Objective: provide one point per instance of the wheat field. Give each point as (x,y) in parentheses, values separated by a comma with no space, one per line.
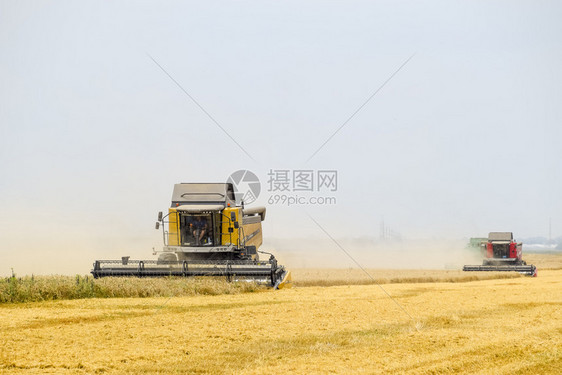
(500,326)
(48,288)
(356,276)
(545,261)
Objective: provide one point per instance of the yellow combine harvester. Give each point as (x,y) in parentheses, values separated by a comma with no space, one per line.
(205,234)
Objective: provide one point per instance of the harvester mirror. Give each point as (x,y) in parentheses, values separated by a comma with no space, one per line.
(159,216)
(232,216)
(236,225)
(157,226)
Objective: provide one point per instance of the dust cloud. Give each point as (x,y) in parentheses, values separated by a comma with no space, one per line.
(74,253)
(53,249)
(63,247)
(371,253)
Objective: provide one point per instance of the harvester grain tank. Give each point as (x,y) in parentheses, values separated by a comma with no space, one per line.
(206,234)
(503,253)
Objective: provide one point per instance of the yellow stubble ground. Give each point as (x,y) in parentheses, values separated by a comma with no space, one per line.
(505,326)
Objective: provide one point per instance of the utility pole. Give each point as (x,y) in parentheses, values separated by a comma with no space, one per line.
(550,230)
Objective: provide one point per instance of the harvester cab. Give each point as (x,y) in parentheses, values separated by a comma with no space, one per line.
(502,249)
(204,223)
(206,234)
(503,253)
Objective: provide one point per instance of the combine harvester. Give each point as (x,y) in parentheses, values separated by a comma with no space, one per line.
(207,235)
(503,254)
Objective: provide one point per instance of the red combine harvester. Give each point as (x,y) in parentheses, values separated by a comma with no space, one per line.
(503,254)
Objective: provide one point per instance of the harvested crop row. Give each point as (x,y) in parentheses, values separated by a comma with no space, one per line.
(354,276)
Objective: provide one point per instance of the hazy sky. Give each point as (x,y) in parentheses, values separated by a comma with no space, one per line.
(464,139)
